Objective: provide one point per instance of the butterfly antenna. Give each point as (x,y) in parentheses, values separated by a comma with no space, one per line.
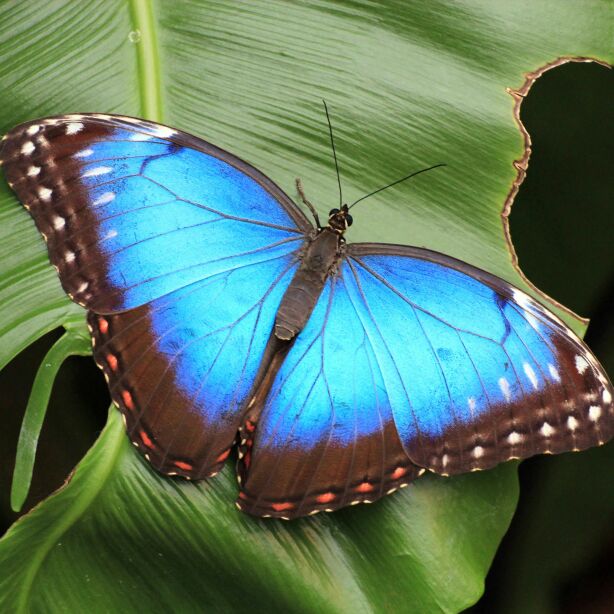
(332,142)
(430,168)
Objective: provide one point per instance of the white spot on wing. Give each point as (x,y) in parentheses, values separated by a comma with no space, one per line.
(607,397)
(27,148)
(164,132)
(530,374)
(572,423)
(528,306)
(58,222)
(505,388)
(594,413)
(546,430)
(44,193)
(478,452)
(581,364)
(513,438)
(554,373)
(471,403)
(103,199)
(98,170)
(110,235)
(140,136)
(82,286)
(69,256)
(33,129)
(84,153)
(33,171)
(74,127)
(524,300)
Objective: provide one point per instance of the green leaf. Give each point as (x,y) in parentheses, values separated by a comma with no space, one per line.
(409,85)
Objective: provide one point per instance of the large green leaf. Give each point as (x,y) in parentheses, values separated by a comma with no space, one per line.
(409,85)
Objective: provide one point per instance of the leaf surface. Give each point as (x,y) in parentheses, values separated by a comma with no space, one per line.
(409,85)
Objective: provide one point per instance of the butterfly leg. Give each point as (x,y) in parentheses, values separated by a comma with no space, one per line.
(301,192)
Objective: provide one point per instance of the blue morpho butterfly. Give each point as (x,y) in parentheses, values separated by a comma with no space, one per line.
(217,310)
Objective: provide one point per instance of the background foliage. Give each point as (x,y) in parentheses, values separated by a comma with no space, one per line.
(409,85)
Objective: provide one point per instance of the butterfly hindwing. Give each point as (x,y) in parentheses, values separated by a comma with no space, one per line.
(180,252)
(181,367)
(326,437)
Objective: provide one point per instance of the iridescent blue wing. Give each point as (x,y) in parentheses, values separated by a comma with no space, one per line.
(180,251)
(447,367)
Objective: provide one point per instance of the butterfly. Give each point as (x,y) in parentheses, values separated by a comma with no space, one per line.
(219,313)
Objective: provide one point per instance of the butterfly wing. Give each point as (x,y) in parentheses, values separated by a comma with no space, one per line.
(490,374)
(180,251)
(132,210)
(414,359)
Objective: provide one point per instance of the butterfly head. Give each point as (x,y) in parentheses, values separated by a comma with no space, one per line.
(340,220)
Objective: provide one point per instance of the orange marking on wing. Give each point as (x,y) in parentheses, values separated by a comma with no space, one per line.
(112,362)
(364,487)
(242,495)
(399,472)
(184,466)
(127,398)
(280,507)
(250,426)
(326,497)
(146,440)
(223,456)
(103,326)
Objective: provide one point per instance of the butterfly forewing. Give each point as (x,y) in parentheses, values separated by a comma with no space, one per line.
(132,210)
(180,251)
(487,373)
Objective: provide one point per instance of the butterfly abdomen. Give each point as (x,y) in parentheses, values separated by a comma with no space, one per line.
(319,259)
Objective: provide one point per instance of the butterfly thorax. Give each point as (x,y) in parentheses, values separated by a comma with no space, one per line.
(319,260)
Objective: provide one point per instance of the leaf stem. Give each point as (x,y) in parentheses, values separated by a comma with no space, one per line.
(85,485)
(70,344)
(148,58)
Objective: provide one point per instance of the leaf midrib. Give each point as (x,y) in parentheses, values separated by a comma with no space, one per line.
(148,59)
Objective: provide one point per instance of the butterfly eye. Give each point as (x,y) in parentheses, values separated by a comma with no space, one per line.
(348,219)
(333,212)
